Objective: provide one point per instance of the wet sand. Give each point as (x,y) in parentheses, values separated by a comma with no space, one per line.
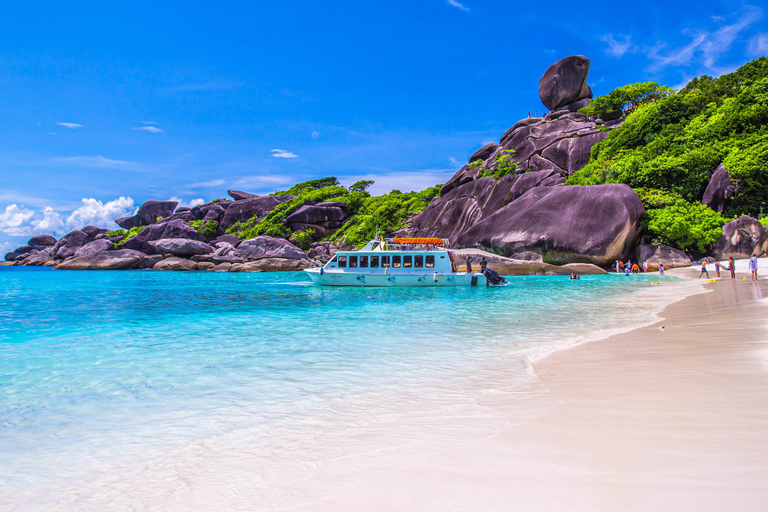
(670,417)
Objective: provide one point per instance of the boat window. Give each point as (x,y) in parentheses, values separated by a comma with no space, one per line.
(374,262)
(407,261)
(342,261)
(363,261)
(385,261)
(353,262)
(418,261)
(395,261)
(431,261)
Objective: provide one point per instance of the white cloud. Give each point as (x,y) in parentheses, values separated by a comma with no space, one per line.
(6,247)
(315,135)
(206,184)
(71,126)
(758,45)
(709,46)
(405,181)
(100,214)
(50,223)
(150,129)
(15,221)
(281,153)
(191,204)
(617,47)
(94,161)
(454,3)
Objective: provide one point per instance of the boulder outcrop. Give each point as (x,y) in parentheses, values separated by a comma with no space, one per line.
(123,259)
(591,224)
(565,82)
(263,247)
(327,215)
(181,247)
(238,195)
(270,265)
(93,231)
(94,247)
(70,243)
(741,238)
(167,229)
(42,240)
(147,214)
(661,254)
(719,191)
(174,263)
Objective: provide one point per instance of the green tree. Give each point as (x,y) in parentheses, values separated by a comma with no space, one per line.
(686,225)
(360,186)
(614,104)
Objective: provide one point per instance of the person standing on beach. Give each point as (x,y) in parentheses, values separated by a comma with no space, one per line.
(635,269)
(618,266)
(753,267)
(661,269)
(469,264)
(717,268)
(732,267)
(645,266)
(704,269)
(483,264)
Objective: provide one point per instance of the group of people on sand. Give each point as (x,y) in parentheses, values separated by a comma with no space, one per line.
(633,268)
(731,267)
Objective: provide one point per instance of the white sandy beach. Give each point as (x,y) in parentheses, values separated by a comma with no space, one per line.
(669,417)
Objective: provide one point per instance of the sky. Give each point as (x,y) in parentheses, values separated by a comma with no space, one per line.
(105,105)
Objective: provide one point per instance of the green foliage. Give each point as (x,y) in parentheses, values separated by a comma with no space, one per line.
(475,164)
(360,186)
(128,235)
(383,215)
(272,223)
(504,165)
(613,105)
(654,198)
(303,239)
(220,200)
(675,142)
(308,186)
(764,221)
(685,225)
(207,229)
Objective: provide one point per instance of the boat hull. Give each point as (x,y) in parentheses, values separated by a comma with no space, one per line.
(393,279)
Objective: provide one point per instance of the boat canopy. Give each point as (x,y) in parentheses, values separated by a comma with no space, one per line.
(418,241)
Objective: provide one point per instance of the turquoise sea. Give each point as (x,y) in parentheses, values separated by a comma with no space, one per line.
(222,391)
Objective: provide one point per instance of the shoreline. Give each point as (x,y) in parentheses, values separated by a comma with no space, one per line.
(672,418)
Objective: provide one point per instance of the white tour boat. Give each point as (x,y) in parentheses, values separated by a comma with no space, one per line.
(395,262)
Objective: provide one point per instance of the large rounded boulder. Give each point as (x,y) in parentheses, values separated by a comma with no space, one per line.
(148,213)
(181,247)
(42,240)
(568,224)
(741,238)
(565,82)
(69,244)
(267,247)
(657,255)
(123,259)
(720,190)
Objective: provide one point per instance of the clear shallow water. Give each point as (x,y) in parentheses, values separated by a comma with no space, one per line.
(170,390)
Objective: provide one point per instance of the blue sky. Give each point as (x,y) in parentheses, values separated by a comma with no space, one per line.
(104,105)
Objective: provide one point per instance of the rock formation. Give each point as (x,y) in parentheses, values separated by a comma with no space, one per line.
(565,82)
(148,213)
(719,191)
(741,238)
(661,254)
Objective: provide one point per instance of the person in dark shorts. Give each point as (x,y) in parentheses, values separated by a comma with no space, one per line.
(469,264)
(483,264)
(704,269)
(732,268)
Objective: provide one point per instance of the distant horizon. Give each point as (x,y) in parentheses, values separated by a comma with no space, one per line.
(108,106)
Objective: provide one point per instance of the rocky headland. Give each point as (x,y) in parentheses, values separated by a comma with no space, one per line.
(509,203)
